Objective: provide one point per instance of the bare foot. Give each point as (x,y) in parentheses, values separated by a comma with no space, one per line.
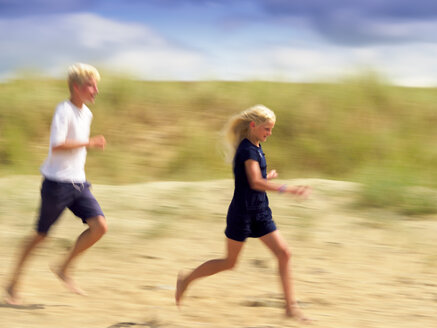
(295,312)
(180,288)
(68,282)
(11,296)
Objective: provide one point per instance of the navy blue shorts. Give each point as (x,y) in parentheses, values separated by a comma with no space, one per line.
(255,225)
(56,196)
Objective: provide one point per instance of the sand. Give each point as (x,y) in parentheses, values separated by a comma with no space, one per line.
(352,267)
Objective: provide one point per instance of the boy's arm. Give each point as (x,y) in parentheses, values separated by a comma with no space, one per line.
(94,142)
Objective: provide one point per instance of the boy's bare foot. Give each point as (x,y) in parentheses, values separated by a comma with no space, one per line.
(295,312)
(180,288)
(11,296)
(68,281)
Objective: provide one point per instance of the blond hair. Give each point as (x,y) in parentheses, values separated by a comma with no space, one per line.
(238,126)
(80,73)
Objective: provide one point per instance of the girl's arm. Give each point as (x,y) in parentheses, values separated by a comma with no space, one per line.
(257,182)
(94,142)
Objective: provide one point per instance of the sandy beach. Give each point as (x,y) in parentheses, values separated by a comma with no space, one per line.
(352,267)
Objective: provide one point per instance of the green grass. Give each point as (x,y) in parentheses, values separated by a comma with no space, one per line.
(171,130)
(395,188)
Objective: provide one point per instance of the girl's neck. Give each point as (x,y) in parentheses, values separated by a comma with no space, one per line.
(253,140)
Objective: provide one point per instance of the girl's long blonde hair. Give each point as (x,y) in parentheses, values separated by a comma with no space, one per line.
(238,126)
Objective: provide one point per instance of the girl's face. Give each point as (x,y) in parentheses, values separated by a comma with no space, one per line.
(262,131)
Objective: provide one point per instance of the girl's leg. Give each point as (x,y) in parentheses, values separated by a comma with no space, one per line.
(209,268)
(277,244)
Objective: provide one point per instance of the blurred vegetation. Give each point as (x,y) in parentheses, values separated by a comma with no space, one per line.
(359,129)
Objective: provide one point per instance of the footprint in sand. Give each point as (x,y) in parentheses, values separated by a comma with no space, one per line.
(151,324)
(24,306)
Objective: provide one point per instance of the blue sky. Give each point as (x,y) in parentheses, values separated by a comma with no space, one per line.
(285,40)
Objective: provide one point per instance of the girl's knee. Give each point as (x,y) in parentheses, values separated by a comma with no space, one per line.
(231,264)
(41,236)
(284,254)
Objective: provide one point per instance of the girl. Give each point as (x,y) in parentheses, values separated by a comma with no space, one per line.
(249,214)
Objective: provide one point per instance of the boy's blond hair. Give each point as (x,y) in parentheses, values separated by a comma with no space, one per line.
(238,126)
(79,73)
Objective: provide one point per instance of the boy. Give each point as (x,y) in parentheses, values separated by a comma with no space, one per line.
(64,183)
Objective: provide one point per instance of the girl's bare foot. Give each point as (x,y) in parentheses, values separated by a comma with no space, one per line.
(295,312)
(180,288)
(11,296)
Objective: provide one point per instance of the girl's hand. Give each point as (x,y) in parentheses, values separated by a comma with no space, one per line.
(272,174)
(301,191)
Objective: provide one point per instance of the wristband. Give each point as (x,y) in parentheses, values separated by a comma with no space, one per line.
(282,188)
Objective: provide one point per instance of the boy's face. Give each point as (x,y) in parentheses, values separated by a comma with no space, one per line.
(87,91)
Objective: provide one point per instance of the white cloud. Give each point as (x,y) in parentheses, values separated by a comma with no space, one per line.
(51,43)
(158,64)
(96,32)
(302,64)
(400,30)
(403,64)
(408,64)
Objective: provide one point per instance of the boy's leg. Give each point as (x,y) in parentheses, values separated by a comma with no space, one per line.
(50,210)
(209,268)
(97,228)
(277,244)
(31,243)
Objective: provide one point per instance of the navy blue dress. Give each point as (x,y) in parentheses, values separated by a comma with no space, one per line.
(249,214)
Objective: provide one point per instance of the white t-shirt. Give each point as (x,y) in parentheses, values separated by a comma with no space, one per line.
(69,123)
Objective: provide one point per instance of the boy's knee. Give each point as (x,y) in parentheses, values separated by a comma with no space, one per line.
(98,225)
(103,227)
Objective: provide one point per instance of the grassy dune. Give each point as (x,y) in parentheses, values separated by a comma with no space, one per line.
(358,130)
